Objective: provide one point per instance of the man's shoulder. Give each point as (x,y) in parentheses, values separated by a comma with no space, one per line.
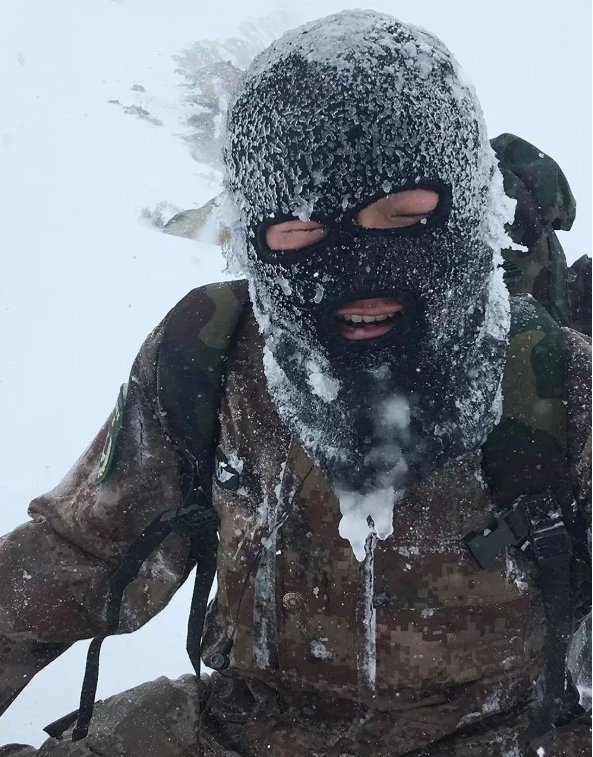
(195,340)
(205,319)
(197,333)
(216,301)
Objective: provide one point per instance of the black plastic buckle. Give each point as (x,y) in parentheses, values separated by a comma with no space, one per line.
(57,729)
(548,536)
(225,475)
(550,541)
(509,528)
(192,519)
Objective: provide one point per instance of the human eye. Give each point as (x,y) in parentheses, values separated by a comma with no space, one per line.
(398,210)
(294,235)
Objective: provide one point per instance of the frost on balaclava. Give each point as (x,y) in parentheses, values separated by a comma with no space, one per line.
(332,116)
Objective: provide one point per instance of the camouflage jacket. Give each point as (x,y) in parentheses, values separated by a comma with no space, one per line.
(452,644)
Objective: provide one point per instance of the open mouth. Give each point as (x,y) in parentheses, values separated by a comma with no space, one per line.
(368,319)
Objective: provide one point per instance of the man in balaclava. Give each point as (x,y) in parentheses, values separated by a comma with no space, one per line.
(338,131)
(367,214)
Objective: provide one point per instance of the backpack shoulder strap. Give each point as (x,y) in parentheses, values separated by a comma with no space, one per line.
(525,458)
(526,465)
(198,336)
(191,371)
(526,452)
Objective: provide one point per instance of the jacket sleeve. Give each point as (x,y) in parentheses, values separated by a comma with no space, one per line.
(55,569)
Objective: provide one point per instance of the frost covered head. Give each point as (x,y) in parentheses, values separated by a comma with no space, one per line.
(385,338)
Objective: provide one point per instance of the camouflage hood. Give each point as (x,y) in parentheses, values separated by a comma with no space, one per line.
(335,115)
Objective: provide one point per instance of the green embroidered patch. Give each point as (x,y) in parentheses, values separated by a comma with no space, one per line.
(115,426)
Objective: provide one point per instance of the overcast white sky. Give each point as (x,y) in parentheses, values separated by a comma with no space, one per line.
(83,281)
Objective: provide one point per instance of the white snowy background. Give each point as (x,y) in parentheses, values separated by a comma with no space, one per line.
(84,278)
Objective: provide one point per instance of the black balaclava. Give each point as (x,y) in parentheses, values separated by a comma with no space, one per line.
(331,117)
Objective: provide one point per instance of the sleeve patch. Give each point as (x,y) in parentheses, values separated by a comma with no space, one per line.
(107,457)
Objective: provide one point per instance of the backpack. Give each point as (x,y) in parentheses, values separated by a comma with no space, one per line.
(199,334)
(545,204)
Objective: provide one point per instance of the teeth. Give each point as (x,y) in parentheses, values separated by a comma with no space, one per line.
(366,318)
(373,318)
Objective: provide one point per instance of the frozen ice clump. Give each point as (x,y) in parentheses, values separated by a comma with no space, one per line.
(285,285)
(321,383)
(319,650)
(395,414)
(319,292)
(364,514)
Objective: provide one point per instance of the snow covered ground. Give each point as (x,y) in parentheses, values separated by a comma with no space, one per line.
(94,139)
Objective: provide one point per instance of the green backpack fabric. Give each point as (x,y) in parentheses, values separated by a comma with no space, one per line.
(545,204)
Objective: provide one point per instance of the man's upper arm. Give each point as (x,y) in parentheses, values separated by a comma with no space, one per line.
(56,568)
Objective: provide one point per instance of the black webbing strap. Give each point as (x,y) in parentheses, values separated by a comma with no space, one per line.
(128,570)
(201,525)
(195,519)
(538,520)
(552,549)
(205,572)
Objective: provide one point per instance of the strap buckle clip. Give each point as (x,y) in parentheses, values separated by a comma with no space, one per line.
(507,529)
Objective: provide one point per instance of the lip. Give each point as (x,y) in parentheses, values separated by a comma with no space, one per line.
(375,306)
(366,332)
(372,306)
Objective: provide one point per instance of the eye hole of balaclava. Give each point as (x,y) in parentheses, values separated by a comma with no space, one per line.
(411,211)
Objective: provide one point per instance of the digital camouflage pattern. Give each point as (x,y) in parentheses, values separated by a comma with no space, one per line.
(163,717)
(457,648)
(56,568)
(442,624)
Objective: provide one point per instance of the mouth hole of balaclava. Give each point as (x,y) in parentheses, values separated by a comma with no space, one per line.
(377,316)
